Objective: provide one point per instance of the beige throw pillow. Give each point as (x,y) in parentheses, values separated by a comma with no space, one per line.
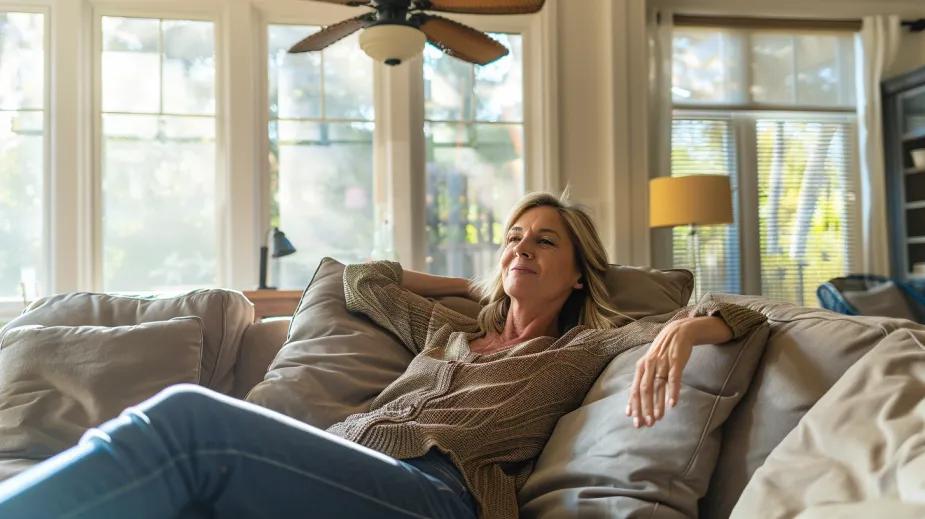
(807,352)
(335,362)
(58,381)
(863,442)
(596,464)
(225,315)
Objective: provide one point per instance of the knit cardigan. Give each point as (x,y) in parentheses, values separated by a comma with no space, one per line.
(491,414)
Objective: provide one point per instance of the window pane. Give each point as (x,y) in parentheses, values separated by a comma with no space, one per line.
(131,65)
(22,137)
(698,147)
(773,62)
(448,87)
(348,91)
(499,85)
(21,164)
(474,177)
(806,206)
(321,171)
(158,170)
(475,157)
(22,62)
(707,66)
(158,205)
(189,67)
(825,70)
(325,209)
(295,79)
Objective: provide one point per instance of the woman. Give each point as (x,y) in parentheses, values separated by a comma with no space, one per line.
(454,436)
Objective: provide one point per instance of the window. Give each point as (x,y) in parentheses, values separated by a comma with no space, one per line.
(321,152)
(22,156)
(158,154)
(474,130)
(775,111)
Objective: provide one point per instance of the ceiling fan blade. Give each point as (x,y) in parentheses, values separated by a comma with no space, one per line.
(482,6)
(460,41)
(332,33)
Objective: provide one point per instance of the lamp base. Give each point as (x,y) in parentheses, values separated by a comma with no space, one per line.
(262,282)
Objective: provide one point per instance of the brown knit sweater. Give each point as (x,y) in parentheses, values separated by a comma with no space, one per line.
(490,413)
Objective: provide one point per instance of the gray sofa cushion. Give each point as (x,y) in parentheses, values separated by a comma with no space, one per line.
(807,352)
(335,363)
(57,381)
(225,314)
(642,291)
(260,344)
(864,441)
(885,299)
(596,464)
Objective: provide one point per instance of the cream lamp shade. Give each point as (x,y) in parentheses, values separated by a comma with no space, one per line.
(689,200)
(392,43)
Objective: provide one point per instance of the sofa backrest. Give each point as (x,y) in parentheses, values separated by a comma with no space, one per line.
(225,314)
(808,350)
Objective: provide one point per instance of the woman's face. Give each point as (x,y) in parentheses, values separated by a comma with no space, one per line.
(538,262)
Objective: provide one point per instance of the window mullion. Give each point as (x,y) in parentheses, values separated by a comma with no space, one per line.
(746,146)
(400,156)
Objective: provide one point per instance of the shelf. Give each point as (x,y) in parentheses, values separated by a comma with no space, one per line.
(914,135)
(913,171)
(916,205)
(915,240)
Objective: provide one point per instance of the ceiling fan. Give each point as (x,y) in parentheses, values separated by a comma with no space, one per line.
(396,30)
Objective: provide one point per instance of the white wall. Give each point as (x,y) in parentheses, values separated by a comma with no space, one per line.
(911,54)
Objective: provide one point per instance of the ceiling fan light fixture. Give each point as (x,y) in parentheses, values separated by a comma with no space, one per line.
(392,43)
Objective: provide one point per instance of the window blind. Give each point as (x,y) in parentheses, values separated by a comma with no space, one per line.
(705,147)
(806,205)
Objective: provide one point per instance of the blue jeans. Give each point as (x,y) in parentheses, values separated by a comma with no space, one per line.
(191,452)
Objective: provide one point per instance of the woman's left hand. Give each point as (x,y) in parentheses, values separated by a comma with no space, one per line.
(657,382)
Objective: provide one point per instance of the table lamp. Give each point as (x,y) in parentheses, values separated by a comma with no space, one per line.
(690,200)
(281,247)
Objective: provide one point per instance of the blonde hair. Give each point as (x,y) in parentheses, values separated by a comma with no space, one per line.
(589,305)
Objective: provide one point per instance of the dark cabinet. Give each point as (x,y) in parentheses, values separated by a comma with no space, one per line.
(904,147)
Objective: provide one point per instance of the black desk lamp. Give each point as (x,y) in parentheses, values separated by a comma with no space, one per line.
(281,247)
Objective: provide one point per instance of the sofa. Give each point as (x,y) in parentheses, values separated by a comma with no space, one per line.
(756,433)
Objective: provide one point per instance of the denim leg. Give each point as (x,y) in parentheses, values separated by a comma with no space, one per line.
(191,445)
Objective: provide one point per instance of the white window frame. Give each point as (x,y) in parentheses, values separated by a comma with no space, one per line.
(12,306)
(743,129)
(72,197)
(195,12)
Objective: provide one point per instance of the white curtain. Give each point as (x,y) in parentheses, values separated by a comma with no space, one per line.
(876,49)
(659,30)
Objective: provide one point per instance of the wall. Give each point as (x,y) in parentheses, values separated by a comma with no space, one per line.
(911,54)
